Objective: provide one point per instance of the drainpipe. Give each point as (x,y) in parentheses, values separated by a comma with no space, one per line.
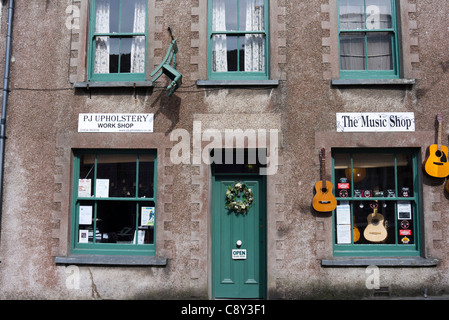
(5,102)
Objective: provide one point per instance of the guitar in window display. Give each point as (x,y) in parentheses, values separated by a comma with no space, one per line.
(376,230)
(436,163)
(324,200)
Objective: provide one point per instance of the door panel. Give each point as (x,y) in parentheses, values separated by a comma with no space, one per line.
(239,278)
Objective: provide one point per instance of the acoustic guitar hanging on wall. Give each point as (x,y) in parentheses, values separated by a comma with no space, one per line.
(324,200)
(437,163)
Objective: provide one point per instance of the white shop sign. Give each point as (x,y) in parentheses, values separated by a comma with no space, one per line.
(115,122)
(239,254)
(376,122)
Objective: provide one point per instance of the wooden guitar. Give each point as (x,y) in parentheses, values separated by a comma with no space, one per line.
(375,231)
(436,163)
(324,200)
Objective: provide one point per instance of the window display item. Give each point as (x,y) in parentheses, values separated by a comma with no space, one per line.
(324,200)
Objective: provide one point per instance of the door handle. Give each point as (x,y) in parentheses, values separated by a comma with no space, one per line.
(238,243)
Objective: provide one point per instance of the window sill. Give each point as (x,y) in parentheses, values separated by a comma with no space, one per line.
(380,262)
(370,82)
(112,260)
(113,84)
(238,83)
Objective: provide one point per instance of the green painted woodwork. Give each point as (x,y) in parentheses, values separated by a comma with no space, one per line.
(110,248)
(238,75)
(379,249)
(374,74)
(111,77)
(239,278)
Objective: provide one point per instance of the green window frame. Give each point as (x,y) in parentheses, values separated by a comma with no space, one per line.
(368,39)
(238,40)
(117,40)
(385,180)
(114,202)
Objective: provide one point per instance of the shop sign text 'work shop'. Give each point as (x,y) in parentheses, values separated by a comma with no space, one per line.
(115,122)
(376,122)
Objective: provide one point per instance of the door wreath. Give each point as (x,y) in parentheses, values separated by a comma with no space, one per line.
(239,197)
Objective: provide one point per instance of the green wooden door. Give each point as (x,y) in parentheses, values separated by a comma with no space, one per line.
(242,273)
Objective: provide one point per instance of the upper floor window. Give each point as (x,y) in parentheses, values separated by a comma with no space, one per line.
(117,40)
(238,39)
(368,39)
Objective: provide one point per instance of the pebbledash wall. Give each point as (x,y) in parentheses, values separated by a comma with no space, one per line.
(296,107)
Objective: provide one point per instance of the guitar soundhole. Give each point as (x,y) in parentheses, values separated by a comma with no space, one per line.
(324,190)
(438,153)
(375,222)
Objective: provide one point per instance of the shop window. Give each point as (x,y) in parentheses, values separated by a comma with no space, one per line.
(378,202)
(238,39)
(117,40)
(114,202)
(368,39)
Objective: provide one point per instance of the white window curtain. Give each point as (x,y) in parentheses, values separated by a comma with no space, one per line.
(254,43)
(138,44)
(219,50)
(102,45)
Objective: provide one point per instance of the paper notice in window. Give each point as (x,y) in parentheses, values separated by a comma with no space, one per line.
(84,188)
(102,188)
(343,233)
(343,214)
(147,218)
(85,215)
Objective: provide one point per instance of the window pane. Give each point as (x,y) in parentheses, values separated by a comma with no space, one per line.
(86,175)
(373,173)
(86,216)
(380,55)
(224,17)
(146,176)
(378,14)
(118,174)
(405,175)
(125,55)
(375,221)
(116,222)
(114,54)
(107,16)
(133,16)
(251,15)
(351,14)
(254,53)
(352,51)
(342,166)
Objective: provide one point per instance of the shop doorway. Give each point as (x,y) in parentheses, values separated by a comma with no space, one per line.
(239,234)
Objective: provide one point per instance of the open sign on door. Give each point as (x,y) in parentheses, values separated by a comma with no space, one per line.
(238,254)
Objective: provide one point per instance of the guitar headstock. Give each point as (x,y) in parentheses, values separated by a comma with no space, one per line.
(323,154)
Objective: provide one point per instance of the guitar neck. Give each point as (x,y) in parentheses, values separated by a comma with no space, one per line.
(439,136)
(323,172)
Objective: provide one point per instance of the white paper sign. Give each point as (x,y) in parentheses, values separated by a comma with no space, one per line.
(239,254)
(102,188)
(404,210)
(343,214)
(84,186)
(376,122)
(115,122)
(85,215)
(84,236)
(343,233)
